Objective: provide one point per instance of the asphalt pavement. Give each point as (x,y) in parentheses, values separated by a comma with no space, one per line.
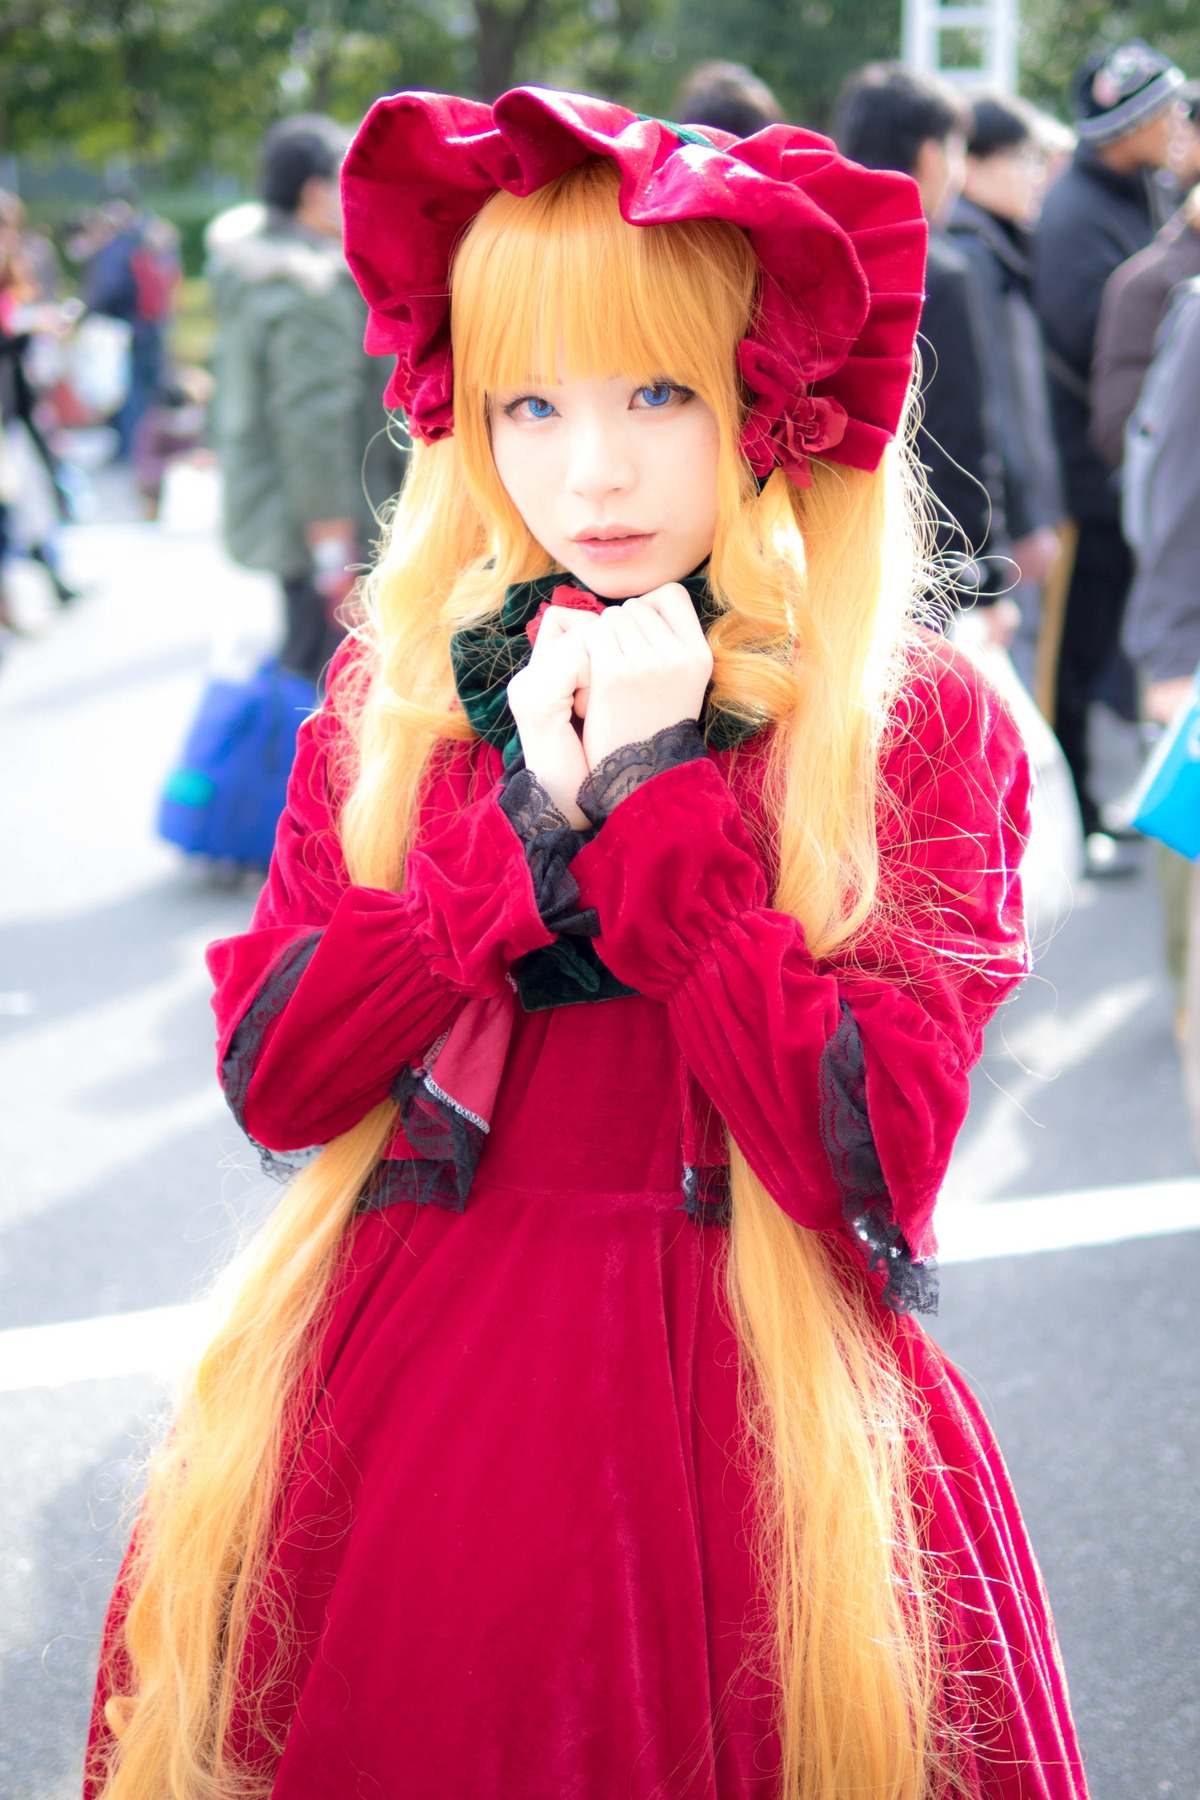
(1071,1212)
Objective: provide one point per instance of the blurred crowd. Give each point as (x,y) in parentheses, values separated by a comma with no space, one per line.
(1060,345)
(85,371)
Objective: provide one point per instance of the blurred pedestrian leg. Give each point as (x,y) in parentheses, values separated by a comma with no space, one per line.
(1050,622)
(1191,1040)
(8,620)
(1174,874)
(1091,628)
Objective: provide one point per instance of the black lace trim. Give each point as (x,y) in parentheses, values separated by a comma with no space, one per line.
(411,1178)
(567,972)
(706,1197)
(617,775)
(909,1286)
(241,1057)
(448,1140)
(550,843)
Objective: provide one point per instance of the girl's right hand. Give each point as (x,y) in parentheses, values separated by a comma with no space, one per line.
(544,698)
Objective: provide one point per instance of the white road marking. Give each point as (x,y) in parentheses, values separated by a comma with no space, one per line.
(158,1342)
(163,1340)
(971,1232)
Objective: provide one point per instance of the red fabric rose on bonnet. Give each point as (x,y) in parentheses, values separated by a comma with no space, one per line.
(841,249)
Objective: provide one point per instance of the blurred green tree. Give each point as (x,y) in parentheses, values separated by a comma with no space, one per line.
(190,84)
(803,49)
(806,48)
(1058,35)
(187,85)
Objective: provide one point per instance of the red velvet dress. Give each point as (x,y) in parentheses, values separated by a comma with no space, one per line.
(516,1546)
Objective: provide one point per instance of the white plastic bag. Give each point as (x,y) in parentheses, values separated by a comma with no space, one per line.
(98,360)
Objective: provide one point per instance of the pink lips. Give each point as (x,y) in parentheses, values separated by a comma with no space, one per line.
(613,543)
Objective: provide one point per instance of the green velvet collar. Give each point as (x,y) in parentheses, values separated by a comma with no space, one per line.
(485,657)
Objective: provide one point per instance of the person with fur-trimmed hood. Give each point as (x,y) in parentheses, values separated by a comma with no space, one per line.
(299,419)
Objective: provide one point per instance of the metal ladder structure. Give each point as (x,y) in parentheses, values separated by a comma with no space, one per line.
(973,43)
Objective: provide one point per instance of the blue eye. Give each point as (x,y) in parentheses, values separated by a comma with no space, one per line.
(529,406)
(658,394)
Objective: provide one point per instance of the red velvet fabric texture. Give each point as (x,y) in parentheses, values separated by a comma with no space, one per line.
(515,1545)
(842,251)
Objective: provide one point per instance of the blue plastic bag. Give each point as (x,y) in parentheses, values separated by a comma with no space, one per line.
(224,797)
(1166,803)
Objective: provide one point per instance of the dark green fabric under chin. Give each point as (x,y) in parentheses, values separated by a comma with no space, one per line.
(485,657)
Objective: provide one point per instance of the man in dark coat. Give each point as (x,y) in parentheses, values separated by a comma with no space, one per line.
(890,117)
(991,226)
(1098,213)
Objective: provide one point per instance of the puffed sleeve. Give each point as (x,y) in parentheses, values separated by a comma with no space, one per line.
(335,987)
(844,1086)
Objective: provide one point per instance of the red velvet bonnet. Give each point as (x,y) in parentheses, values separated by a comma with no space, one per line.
(841,251)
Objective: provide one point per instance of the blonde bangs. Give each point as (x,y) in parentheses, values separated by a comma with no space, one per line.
(557,285)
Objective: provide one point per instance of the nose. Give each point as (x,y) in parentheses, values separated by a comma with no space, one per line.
(599,463)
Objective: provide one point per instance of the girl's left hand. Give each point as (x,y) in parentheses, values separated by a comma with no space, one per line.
(650,668)
(545,697)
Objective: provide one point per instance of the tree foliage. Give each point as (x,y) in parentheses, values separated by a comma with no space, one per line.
(190,85)
(1057,38)
(804,49)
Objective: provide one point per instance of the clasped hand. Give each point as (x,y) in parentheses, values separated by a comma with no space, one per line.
(596,682)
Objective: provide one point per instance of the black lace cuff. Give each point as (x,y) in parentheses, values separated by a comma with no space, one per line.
(909,1286)
(241,1057)
(706,1196)
(616,776)
(447,1142)
(550,843)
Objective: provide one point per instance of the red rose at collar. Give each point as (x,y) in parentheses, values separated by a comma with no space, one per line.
(570,597)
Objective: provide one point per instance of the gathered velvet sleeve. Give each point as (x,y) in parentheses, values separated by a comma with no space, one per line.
(844,1086)
(336,987)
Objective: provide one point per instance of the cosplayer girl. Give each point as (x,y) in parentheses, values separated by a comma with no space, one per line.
(646,883)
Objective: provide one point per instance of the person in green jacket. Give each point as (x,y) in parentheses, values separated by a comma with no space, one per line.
(308,454)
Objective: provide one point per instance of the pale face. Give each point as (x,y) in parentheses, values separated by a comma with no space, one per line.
(1152,145)
(618,483)
(1185,154)
(1010,183)
(939,171)
(320,207)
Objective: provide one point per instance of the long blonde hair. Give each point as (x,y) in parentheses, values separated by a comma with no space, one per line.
(815,589)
